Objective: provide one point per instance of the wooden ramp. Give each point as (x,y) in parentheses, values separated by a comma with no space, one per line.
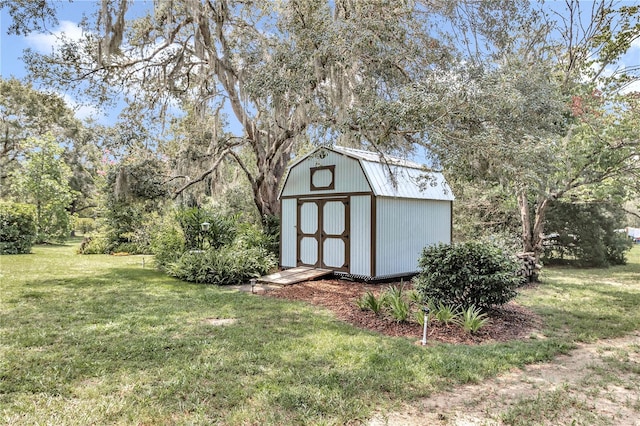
(294,275)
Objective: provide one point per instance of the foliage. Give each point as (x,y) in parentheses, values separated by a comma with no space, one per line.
(369,301)
(167,245)
(134,194)
(85,225)
(466,274)
(541,127)
(223,266)
(28,113)
(96,243)
(585,234)
(472,319)
(271,228)
(394,300)
(43,180)
(109,311)
(446,314)
(17,227)
(222,230)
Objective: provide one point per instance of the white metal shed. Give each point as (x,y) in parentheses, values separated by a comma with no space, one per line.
(359,214)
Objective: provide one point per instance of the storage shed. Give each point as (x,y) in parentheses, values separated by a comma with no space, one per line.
(360,214)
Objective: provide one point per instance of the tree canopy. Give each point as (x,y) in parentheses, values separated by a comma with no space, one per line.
(530,98)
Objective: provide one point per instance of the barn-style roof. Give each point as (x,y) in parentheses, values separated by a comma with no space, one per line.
(393,177)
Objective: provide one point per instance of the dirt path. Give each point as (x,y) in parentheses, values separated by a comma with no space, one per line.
(596,384)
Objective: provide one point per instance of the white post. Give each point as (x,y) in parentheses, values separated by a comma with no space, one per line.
(426,321)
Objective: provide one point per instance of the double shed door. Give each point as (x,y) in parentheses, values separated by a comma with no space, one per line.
(323,233)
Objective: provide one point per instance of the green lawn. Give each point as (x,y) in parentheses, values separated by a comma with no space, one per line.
(102,340)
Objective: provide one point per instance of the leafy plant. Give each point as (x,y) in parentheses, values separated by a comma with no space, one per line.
(167,245)
(446,314)
(369,301)
(222,230)
(17,228)
(414,297)
(95,244)
(465,274)
(224,266)
(418,317)
(472,319)
(393,299)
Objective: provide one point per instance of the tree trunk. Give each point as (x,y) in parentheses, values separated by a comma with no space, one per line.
(525,221)
(538,226)
(533,228)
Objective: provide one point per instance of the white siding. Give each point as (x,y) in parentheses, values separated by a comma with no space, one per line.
(288,233)
(348,176)
(404,227)
(360,237)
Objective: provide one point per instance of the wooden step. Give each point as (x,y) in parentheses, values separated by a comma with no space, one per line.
(295,275)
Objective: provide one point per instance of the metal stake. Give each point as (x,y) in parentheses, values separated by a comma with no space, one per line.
(426,322)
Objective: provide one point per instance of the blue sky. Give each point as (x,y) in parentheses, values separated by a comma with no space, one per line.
(11,46)
(69,14)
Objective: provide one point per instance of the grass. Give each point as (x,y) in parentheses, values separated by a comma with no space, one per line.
(100,339)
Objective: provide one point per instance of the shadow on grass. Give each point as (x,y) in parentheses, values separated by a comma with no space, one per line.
(136,334)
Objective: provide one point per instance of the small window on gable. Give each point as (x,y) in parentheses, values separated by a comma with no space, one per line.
(322,178)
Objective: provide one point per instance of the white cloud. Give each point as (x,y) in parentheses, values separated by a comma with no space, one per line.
(82,111)
(633,87)
(45,42)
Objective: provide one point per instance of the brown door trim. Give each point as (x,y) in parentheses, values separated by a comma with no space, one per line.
(320,236)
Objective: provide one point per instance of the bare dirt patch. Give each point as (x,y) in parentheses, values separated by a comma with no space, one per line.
(219,322)
(592,390)
(511,321)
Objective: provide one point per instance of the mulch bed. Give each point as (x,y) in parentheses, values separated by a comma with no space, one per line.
(508,322)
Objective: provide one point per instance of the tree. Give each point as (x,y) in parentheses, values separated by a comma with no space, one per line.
(24,113)
(586,234)
(288,71)
(43,180)
(538,116)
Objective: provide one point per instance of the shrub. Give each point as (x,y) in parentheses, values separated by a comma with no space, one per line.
(369,301)
(17,228)
(167,245)
(222,230)
(224,266)
(585,234)
(85,225)
(466,274)
(252,236)
(95,244)
(472,319)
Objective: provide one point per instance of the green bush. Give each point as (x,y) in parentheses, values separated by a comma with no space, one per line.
(224,266)
(222,230)
(167,245)
(585,234)
(94,244)
(467,274)
(84,225)
(17,228)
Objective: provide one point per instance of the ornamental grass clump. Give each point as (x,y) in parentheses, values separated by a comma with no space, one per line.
(369,302)
(467,274)
(472,319)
